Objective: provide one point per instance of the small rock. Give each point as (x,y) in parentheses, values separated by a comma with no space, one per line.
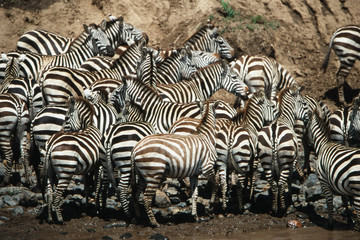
(294,224)
(158,236)
(116,224)
(181,204)
(8,200)
(2,223)
(17,211)
(91,230)
(4,218)
(220,216)
(106,238)
(126,236)
(162,200)
(230,215)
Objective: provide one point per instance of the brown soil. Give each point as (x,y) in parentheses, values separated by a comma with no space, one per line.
(296,33)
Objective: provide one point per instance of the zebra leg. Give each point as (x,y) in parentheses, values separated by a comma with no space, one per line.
(8,165)
(57,206)
(194,190)
(329,202)
(240,184)
(215,188)
(49,199)
(275,192)
(223,183)
(341,75)
(123,189)
(149,194)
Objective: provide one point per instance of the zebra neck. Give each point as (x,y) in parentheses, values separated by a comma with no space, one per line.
(319,134)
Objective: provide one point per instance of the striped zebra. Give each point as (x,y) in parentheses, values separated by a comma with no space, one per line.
(260,72)
(161,114)
(345,42)
(91,42)
(207,39)
(303,134)
(235,140)
(75,150)
(61,82)
(47,43)
(156,157)
(278,144)
(26,89)
(337,167)
(203,84)
(344,125)
(14,135)
(119,140)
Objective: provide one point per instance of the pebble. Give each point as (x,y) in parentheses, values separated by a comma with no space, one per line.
(294,224)
(158,236)
(9,201)
(4,218)
(106,238)
(126,236)
(116,224)
(17,211)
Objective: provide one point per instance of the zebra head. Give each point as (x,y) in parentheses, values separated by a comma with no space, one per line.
(12,68)
(301,108)
(201,59)
(79,115)
(146,68)
(265,106)
(220,45)
(98,40)
(186,67)
(354,128)
(120,32)
(232,83)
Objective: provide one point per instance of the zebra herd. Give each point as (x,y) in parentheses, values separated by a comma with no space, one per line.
(107,102)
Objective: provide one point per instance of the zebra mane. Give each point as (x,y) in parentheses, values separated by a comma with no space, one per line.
(205,117)
(256,98)
(322,124)
(82,37)
(73,100)
(199,34)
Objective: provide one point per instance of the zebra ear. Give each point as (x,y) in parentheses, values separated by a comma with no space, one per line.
(22,58)
(200,105)
(214,33)
(121,21)
(87,29)
(183,53)
(4,57)
(188,50)
(103,25)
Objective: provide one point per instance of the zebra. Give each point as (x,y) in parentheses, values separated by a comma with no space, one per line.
(161,114)
(303,135)
(74,150)
(169,155)
(337,167)
(208,39)
(261,72)
(345,42)
(119,140)
(235,139)
(278,144)
(203,84)
(14,134)
(91,42)
(61,82)
(344,124)
(47,43)
(26,89)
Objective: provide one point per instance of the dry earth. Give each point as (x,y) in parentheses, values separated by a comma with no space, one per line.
(295,32)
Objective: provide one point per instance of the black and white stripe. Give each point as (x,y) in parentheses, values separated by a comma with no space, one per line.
(14,134)
(345,42)
(203,84)
(260,72)
(61,82)
(76,150)
(337,166)
(278,144)
(156,157)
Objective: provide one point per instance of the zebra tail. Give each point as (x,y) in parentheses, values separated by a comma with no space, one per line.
(325,63)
